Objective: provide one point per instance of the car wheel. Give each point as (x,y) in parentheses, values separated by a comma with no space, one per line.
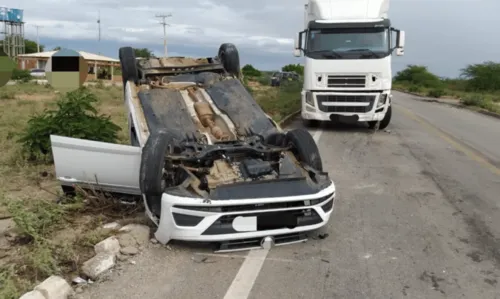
(304,147)
(128,65)
(151,176)
(228,55)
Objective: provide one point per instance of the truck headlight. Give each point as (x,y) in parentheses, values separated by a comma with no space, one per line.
(309,98)
(382,99)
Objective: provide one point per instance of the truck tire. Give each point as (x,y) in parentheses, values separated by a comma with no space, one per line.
(304,148)
(128,65)
(230,59)
(384,122)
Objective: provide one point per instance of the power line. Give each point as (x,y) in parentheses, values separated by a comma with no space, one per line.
(165,24)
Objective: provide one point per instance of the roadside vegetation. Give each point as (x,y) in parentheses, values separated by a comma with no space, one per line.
(478,85)
(42,232)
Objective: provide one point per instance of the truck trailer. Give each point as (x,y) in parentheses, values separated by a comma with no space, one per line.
(348,46)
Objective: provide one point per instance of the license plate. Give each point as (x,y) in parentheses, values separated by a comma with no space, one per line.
(270,221)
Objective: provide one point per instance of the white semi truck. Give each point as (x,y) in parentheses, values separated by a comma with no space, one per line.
(348,46)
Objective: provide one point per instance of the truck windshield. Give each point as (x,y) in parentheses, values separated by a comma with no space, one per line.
(368,42)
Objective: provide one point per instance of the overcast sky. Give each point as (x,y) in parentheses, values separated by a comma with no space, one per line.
(445,35)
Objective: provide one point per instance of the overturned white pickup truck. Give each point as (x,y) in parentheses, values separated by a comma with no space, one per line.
(208,162)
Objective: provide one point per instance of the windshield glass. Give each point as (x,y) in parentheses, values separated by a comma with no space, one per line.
(342,40)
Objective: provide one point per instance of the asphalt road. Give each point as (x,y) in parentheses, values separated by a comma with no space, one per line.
(417,216)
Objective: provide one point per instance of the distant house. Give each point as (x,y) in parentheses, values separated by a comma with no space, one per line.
(98,64)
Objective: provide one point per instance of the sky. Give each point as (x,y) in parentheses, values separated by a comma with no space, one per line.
(444,35)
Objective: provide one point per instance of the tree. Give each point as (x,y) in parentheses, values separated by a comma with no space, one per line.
(56,48)
(143,52)
(249,71)
(31,46)
(299,69)
(418,75)
(482,77)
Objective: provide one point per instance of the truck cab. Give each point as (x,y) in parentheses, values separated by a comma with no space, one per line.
(348,46)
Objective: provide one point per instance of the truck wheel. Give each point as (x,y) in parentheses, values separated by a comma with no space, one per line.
(228,55)
(128,65)
(384,122)
(305,148)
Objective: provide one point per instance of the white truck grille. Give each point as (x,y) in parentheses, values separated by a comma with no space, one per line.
(344,81)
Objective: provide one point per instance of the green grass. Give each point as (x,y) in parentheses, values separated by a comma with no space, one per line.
(487,101)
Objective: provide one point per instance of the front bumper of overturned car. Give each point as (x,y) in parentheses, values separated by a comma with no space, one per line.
(190,219)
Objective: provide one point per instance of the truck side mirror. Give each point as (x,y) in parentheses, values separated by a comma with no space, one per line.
(298,44)
(401,40)
(296,53)
(400,52)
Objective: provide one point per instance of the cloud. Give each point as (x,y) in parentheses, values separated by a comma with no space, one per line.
(443,34)
(195,22)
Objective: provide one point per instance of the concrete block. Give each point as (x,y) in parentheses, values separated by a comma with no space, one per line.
(33,295)
(54,287)
(99,264)
(109,245)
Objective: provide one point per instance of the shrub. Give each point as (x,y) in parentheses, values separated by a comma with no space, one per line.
(299,69)
(75,117)
(436,93)
(418,75)
(21,75)
(414,88)
(249,71)
(479,101)
(482,77)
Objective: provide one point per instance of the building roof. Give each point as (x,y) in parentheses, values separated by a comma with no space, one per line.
(86,56)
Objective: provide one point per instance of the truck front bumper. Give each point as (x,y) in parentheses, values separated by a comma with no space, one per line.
(190,219)
(311,108)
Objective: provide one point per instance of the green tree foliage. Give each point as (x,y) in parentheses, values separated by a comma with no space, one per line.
(31,47)
(143,52)
(482,77)
(299,69)
(418,75)
(56,48)
(249,71)
(75,117)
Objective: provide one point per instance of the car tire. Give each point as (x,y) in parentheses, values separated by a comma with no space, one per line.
(384,122)
(128,65)
(230,59)
(305,148)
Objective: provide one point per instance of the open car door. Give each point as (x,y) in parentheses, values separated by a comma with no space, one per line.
(97,165)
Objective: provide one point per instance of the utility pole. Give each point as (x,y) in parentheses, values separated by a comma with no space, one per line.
(37,38)
(164,23)
(99,30)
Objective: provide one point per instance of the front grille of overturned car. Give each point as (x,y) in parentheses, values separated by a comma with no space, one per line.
(347,81)
(304,217)
(365,99)
(260,207)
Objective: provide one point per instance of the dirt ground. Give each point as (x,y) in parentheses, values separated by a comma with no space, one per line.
(30,196)
(32,191)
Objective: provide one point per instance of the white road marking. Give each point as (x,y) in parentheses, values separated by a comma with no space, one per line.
(249,271)
(247,275)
